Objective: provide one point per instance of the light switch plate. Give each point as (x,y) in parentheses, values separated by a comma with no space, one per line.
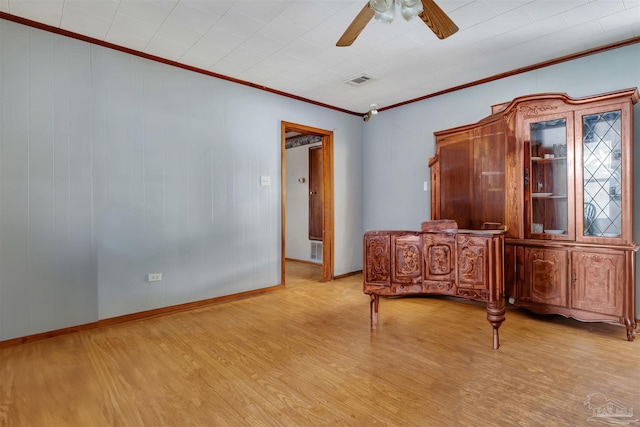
(265,180)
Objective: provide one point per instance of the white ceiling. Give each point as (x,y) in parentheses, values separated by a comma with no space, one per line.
(289,45)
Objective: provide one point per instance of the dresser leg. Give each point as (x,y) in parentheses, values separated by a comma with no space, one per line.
(495,316)
(631,329)
(374,310)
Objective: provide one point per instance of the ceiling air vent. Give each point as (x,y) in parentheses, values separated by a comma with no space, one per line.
(358,80)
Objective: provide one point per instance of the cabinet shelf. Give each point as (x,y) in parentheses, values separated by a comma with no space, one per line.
(550,196)
(550,160)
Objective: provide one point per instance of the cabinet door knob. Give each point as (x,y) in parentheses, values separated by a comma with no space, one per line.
(312,193)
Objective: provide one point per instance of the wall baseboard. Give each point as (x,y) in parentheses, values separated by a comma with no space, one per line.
(139,316)
(154,313)
(306,261)
(341,276)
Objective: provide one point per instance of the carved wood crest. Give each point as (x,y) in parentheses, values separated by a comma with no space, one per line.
(408,260)
(535,110)
(439,259)
(470,262)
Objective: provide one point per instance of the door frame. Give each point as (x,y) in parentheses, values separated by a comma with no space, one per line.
(327,187)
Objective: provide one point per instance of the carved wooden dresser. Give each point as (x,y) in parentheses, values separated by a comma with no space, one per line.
(440,259)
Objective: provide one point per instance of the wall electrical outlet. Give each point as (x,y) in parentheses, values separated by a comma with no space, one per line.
(154,277)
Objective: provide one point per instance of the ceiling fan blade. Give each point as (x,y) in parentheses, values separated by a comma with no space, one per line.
(357,25)
(437,20)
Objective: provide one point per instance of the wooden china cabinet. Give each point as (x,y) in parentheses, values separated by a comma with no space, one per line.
(558,173)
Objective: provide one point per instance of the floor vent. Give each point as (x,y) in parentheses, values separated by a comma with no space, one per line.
(316,251)
(358,80)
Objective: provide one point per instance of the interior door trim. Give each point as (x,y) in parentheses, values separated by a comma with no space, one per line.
(327,183)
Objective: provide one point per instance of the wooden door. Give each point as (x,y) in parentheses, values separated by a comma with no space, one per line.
(598,282)
(489,185)
(455,158)
(604,174)
(546,275)
(549,194)
(315,193)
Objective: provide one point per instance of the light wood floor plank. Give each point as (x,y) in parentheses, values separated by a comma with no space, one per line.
(305,356)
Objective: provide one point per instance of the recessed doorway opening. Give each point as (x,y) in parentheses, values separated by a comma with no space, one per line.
(320,192)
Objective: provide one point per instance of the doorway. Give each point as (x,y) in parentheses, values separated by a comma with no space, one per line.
(327,195)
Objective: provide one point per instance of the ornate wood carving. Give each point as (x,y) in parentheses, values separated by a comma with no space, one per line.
(597,280)
(377,259)
(474,294)
(407,257)
(547,271)
(408,264)
(439,259)
(443,288)
(471,255)
(535,110)
(439,250)
(425,263)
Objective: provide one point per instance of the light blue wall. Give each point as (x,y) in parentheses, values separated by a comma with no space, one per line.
(398,143)
(113,167)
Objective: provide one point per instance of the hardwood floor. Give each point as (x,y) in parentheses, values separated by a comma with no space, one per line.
(305,356)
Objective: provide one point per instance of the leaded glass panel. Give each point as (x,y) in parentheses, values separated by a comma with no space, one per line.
(602,174)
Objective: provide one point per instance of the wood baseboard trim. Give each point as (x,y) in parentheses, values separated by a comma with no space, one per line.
(342,276)
(139,316)
(303,261)
(46,335)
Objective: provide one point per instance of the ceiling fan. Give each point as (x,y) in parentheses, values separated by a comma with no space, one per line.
(431,14)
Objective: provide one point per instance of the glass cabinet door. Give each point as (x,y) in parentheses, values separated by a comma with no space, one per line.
(602,174)
(548,211)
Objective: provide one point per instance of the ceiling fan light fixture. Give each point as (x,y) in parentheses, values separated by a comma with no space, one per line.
(381,6)
(384,10)
(410,8)
(384,15)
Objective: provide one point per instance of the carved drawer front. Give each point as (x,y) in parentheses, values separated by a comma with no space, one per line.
(377,258)
(546,275)
(439,256)
(472,256)
(406,258)
(597,282)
